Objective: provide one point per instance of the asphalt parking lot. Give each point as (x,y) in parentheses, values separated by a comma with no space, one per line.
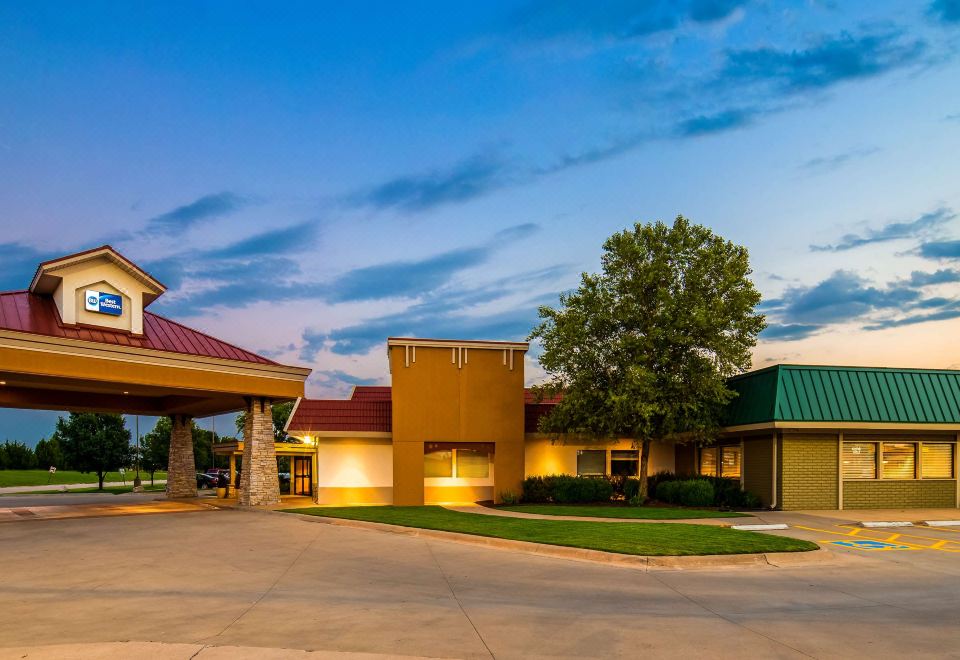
(213,579)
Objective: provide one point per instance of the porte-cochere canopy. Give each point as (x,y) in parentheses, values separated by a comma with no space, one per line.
(80,339)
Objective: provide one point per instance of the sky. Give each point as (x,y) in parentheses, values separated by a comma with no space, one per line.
(310,178)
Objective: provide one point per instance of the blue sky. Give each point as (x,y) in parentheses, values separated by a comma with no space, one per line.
(312,177)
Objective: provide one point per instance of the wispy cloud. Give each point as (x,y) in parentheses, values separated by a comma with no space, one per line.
(18,263)
(843,296)
(789,331)
(285,240)
(891,232)
(466,180)
(940,249)
(336,376)
(720,122)
(944,276)
(945,11)
(188,215)
(823,164)
(829,61)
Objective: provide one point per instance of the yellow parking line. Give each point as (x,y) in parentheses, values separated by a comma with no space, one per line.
(912,536)
(892,537)
(913,546)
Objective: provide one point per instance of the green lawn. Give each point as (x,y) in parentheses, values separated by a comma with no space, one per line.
(43,477)
(627,538)
(618,511)
(113,490)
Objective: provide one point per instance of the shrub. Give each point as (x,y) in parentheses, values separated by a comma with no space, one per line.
(695,492)
(636,500)
(667,491)
(17,456)
(509,498)
(565,489)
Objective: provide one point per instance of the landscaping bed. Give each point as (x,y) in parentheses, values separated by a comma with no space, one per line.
(649,539)
(619,511)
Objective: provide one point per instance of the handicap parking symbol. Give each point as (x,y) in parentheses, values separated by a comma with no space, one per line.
(866,544)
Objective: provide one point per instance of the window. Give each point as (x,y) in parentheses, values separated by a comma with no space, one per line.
(899,460)
(625,462)
(730,462)
(473,464)
(859,460)
(591,462)
(708,462)
(438,463)
(937,460)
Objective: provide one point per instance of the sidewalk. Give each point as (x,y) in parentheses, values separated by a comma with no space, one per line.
(33,489)
(489,511)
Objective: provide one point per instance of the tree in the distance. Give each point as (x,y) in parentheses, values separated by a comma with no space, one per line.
(155,447)
(94,442)
(281,413)
(49,453)
(643,349)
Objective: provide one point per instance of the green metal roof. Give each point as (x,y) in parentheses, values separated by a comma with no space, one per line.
(797,393)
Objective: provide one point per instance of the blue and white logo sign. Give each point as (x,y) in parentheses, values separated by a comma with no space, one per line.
(103,303)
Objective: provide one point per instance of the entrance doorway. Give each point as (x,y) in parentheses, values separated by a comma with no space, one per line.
(303,475)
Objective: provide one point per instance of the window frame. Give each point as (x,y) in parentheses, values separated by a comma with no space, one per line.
(635,460)
(953,461)
(880,462)
(876,459)
(604,473)
(720,451)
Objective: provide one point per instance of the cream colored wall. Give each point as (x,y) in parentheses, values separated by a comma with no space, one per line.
(354,464)
(542,456)
(101,275)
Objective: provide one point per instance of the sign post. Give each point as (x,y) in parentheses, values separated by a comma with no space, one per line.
(52,471)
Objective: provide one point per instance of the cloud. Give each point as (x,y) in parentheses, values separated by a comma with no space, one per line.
(186,216)
(940,249)
(618,20)
(405,278)
(789,331)
(337,376)
(891,232)
(944,276)
(942,315)
(19,262)
(467,180)
(830,61)
(285,240)
(830,163)
(953,117)
(720,122)
(945,11)
(842,297)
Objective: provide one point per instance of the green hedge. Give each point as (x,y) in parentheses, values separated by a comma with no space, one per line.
(690,492)
(565,489)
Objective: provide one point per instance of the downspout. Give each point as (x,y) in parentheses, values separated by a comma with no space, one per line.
(773,476)
(840,471)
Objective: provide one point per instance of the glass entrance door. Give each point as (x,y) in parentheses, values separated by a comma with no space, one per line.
(303,475)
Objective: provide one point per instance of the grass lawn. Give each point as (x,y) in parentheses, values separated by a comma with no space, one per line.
(113,490)
(42,477)
(618,511)
(627,538)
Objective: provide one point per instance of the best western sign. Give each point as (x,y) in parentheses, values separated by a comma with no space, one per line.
(103,303)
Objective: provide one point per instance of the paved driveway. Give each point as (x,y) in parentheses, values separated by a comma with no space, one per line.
(233,578)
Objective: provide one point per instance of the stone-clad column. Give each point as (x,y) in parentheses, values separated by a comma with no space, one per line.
(181,469)
(259,482)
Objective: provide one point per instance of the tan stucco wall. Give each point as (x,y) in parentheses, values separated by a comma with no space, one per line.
(354,464)
(544,456)
(443,396)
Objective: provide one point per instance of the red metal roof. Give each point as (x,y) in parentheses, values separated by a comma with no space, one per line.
(371,409)
(313,415)
(371,393)
(22,311)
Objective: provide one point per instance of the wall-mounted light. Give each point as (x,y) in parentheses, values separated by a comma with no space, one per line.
(3,382)
(126,392)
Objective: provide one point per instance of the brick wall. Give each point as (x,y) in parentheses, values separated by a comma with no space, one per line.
(884,494)
(808,476)
(757,467)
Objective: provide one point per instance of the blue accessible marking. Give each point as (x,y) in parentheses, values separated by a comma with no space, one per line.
(865,544)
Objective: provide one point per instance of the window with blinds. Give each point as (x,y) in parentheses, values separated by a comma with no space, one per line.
(625,462)
(473,464)
(708,462)
(937,460)
(899,460)
(730,462)
(859,460)
(591,462)
(438,463)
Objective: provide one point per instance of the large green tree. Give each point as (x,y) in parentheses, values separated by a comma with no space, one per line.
(49,453)
(155,447)
(644,348)
(94,442)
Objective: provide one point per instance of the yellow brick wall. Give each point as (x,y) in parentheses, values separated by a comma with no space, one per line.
(884,494)
(808,477)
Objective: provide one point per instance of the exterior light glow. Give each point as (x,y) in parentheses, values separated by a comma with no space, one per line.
(126,392)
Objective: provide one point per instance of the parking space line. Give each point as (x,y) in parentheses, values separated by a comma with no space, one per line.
(912,536)
(937,545)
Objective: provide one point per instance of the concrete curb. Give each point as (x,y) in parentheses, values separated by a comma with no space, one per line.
(638,562)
